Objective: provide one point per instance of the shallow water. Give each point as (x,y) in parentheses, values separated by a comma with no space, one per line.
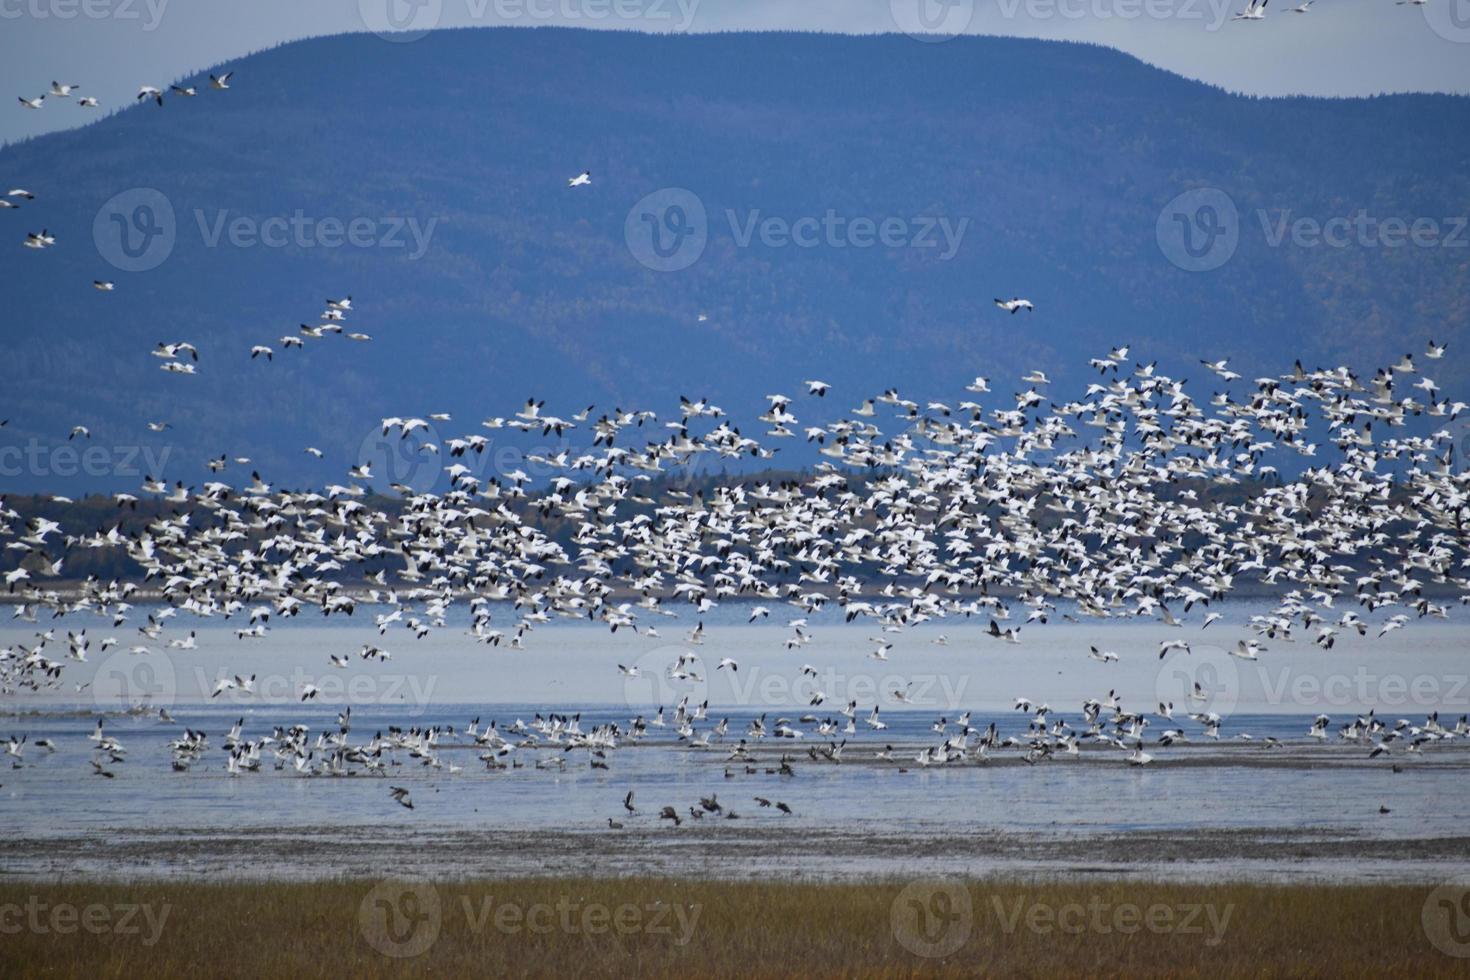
(1224,786)
(445,680)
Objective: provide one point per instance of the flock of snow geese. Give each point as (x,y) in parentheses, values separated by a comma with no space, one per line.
(1256,9)
(1133,501)
(60,91)
(43,239)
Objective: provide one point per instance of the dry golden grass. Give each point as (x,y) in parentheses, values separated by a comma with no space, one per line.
(746,929)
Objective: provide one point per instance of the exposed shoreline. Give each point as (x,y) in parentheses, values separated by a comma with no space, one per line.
(763,846)
(724,851)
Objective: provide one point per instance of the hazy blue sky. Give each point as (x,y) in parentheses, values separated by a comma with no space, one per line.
(1342,47)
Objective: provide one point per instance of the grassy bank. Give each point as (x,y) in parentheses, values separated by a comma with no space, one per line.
(668,928)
